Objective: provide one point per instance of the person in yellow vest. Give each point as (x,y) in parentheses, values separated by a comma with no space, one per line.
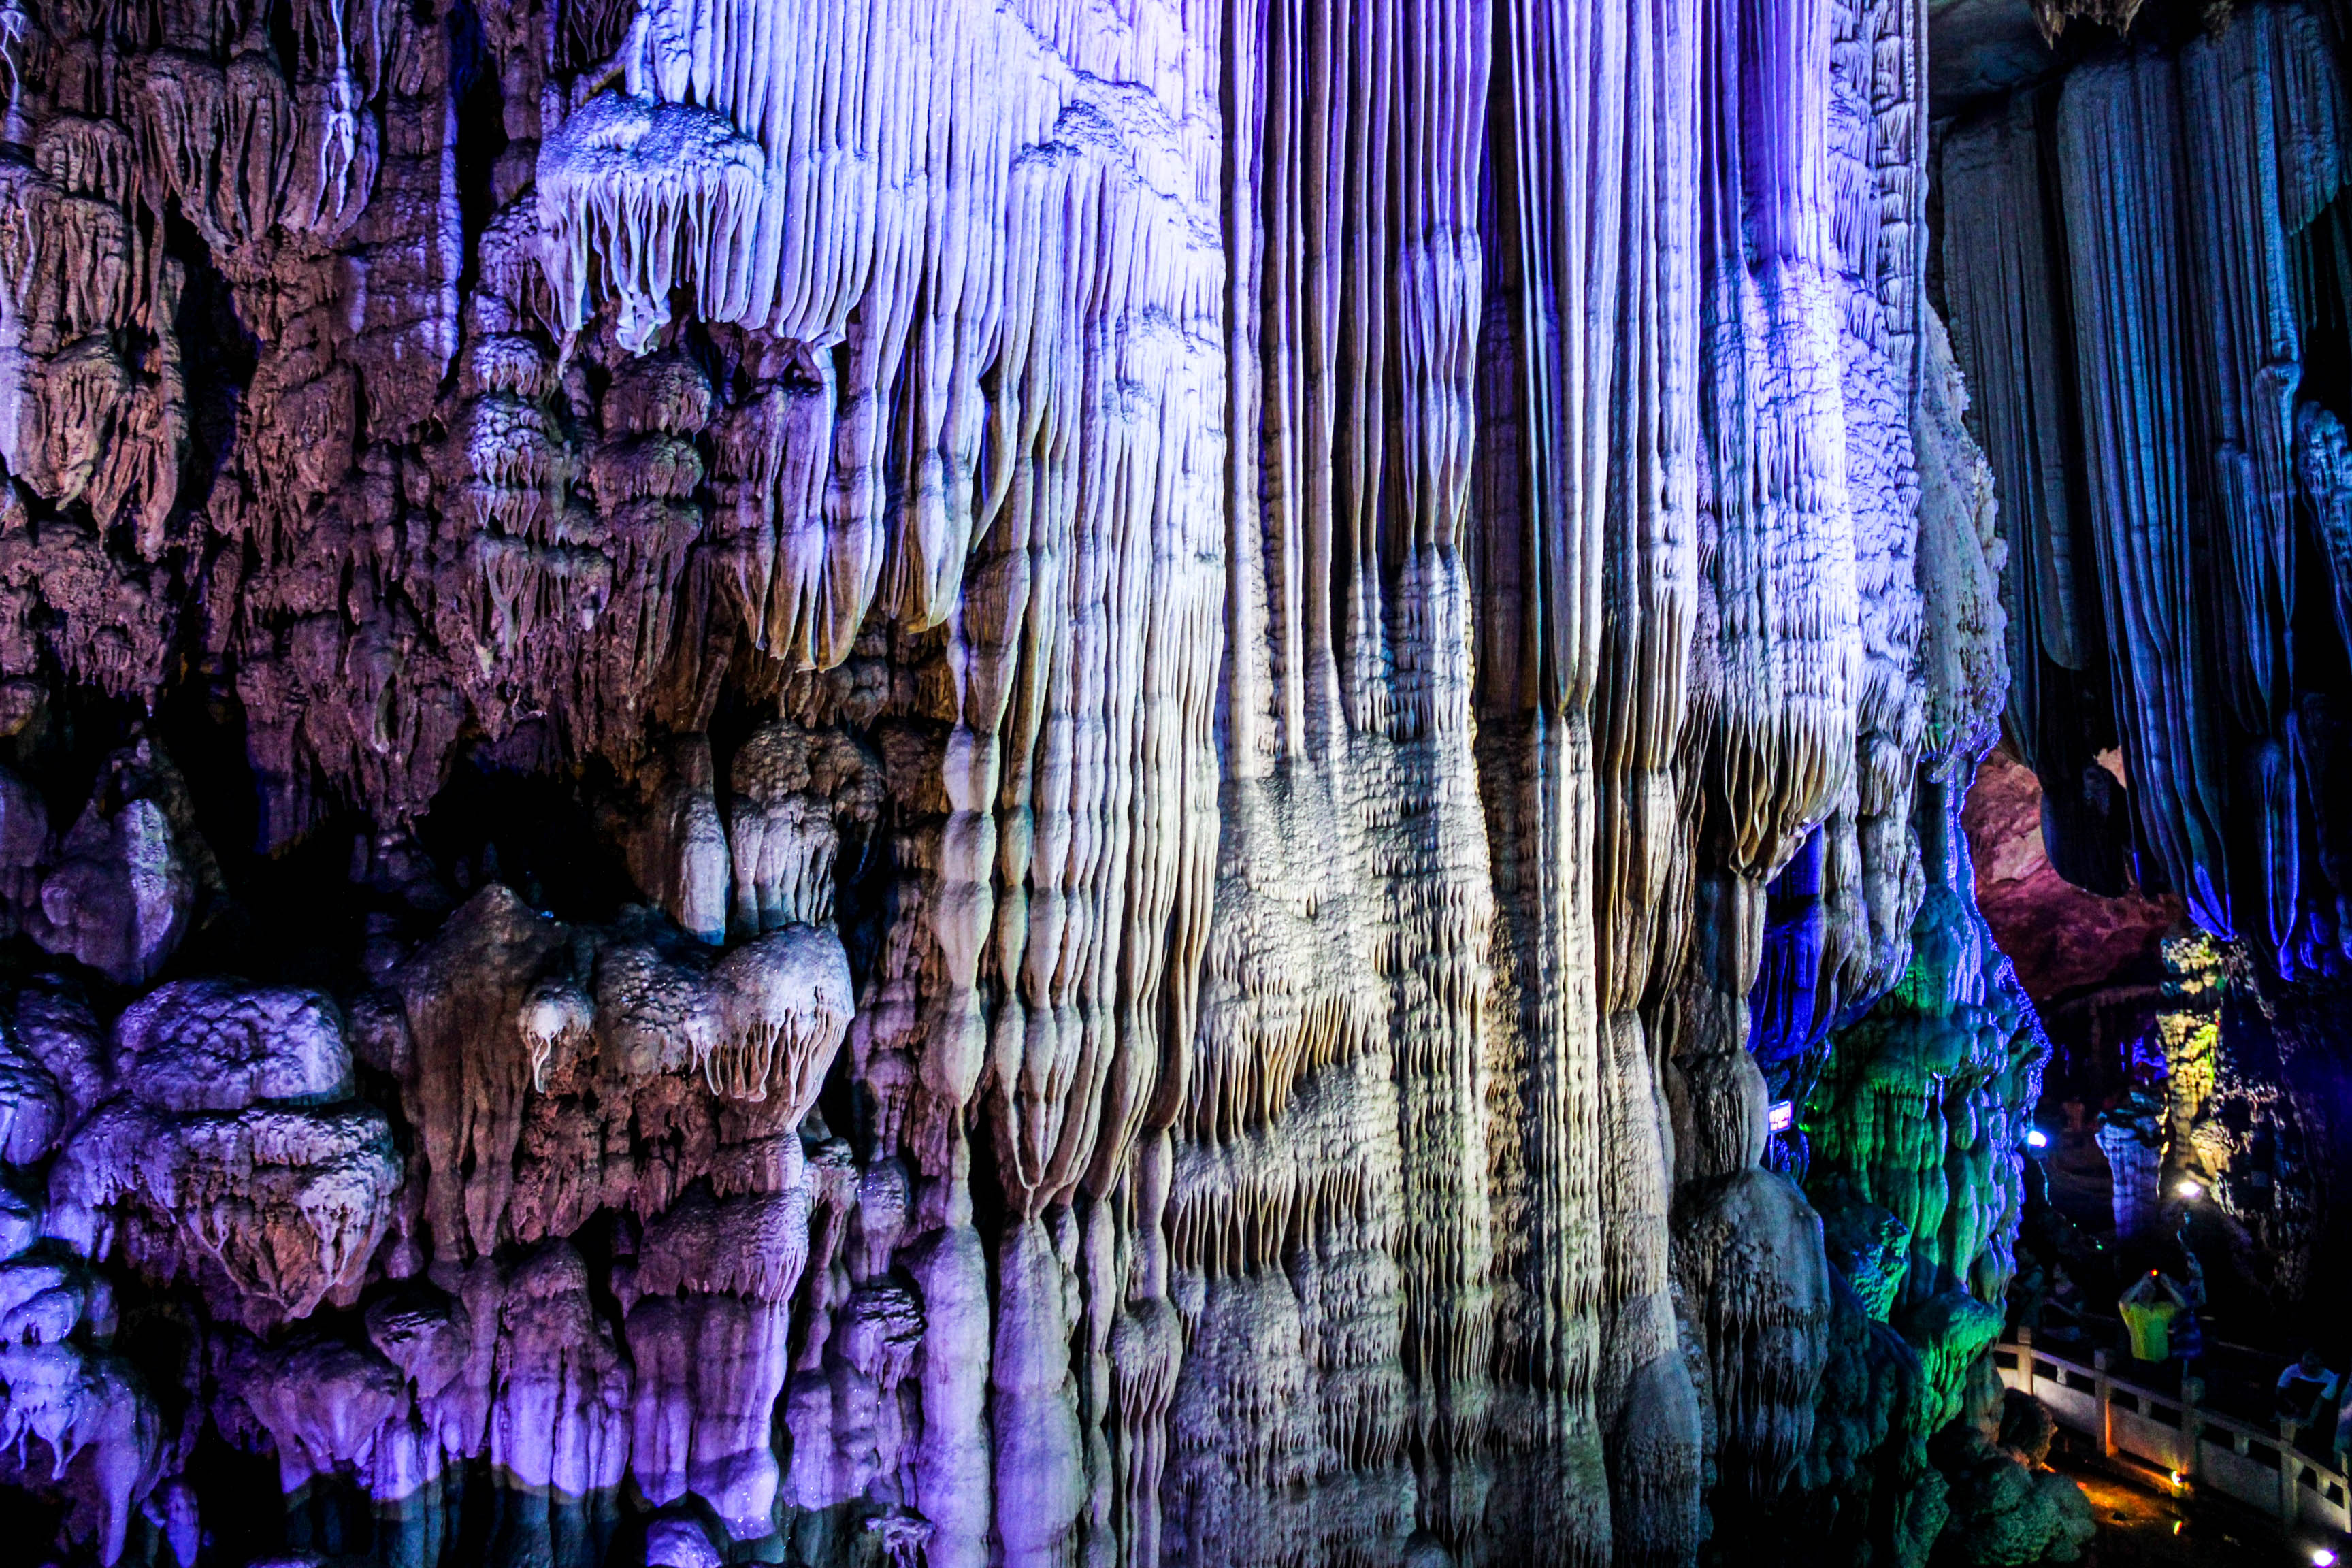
(2148,1309)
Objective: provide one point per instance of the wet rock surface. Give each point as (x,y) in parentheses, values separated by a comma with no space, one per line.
(1027,783)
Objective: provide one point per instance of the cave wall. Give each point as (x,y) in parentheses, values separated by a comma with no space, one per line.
(2151,316)
(962,783)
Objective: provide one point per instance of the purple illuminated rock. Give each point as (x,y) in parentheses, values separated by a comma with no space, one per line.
(1051,784)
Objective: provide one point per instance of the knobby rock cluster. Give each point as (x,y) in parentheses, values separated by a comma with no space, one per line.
(1264,712)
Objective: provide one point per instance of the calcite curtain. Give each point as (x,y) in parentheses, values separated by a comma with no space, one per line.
(1272,685)
(2151,318)
(2150,302)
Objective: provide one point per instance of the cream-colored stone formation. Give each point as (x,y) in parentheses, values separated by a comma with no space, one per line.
(1022,783)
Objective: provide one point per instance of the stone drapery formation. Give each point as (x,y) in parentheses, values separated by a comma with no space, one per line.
(2150,315)
(1098,763)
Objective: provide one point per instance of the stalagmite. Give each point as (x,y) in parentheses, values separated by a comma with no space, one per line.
(1094,785)
(678,847)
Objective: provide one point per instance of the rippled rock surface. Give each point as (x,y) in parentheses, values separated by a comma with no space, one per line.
(968,784)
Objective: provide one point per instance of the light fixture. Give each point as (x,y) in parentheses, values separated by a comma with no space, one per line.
(2036,1139)
(1782,1116)
(2192,1191)
(2322,1557)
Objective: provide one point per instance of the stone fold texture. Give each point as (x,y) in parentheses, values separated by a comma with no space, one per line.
(1247,689)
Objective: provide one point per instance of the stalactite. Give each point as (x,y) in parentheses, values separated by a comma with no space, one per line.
(2193,194)
(1100,762)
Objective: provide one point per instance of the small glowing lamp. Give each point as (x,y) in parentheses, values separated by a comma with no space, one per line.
(2192,1191)
(1782,1116)
(2322,1557)
(2037,1139)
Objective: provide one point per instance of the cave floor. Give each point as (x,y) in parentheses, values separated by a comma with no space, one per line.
(2142,1527)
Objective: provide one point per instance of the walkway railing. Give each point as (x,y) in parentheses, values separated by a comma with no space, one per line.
(2173,1433)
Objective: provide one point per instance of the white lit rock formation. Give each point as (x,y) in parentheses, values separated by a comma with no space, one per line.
(929,781)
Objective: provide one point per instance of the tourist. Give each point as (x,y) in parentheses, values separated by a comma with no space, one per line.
(2306,1390)
(2149,1309)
